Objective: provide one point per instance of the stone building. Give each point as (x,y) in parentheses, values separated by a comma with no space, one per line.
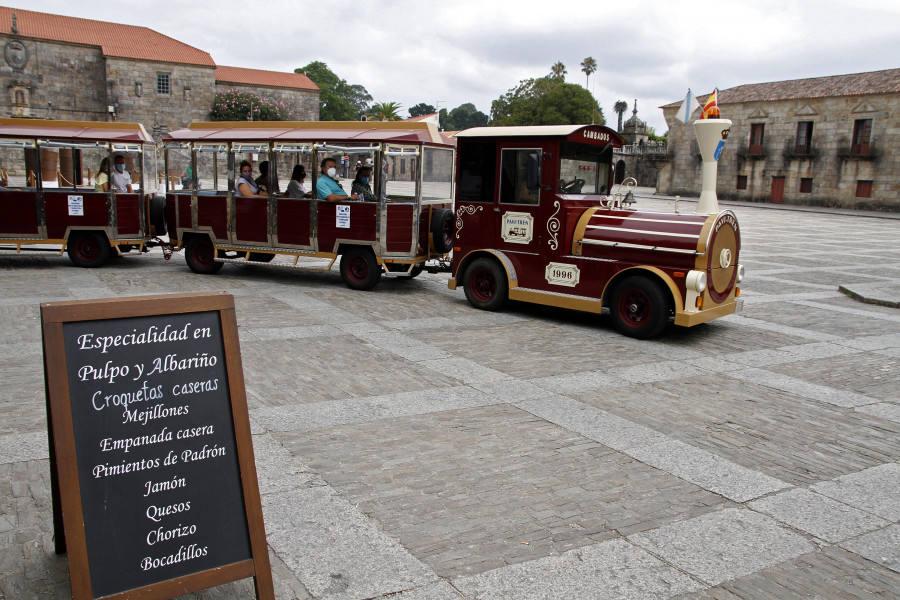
(58,67)
(639,157)
(825,141)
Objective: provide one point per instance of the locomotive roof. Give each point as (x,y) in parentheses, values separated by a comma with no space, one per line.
(74,130)
(564,131)
(403,132)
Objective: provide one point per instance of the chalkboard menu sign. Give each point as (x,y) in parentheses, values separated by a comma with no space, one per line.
(152,461)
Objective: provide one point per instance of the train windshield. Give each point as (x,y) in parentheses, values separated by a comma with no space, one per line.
(584,168)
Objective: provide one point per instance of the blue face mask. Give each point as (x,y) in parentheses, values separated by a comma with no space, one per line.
(120,168)
(364,179)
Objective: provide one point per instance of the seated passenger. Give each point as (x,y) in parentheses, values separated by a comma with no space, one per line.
(327,187)
(295,188)
(102,184)
(361,186)
(121,178)
(262,182)
(245,186)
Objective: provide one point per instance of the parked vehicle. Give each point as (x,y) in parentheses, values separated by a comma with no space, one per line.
(536,221)
(48,197)
(409,223)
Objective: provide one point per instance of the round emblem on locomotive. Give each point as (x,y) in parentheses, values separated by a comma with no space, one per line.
(725,258)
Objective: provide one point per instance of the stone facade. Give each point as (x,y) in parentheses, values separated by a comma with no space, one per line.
(825,169)
(50,80)
(639,157)
(132,91)
(142,76)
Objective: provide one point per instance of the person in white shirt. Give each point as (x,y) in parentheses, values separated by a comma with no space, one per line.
(296,188)
(120,177)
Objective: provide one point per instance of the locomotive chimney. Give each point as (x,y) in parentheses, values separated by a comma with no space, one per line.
(711,136)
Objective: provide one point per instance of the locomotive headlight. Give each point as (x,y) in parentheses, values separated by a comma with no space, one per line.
(740,273)
(696,281)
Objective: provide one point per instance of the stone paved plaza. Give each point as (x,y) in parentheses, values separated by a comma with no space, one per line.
(409,446)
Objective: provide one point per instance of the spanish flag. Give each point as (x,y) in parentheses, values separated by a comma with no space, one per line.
(711,108)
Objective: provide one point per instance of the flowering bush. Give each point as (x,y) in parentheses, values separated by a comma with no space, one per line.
(234,105)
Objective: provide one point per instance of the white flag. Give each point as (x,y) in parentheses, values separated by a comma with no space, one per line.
(688,107)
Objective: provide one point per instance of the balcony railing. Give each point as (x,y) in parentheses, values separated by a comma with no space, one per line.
(643,150)
(800,151)
(858,151)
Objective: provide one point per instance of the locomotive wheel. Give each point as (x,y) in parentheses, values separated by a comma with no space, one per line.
(359,269)
(442,230)
(639,308)
(89,249)
(200,254)
(486,285)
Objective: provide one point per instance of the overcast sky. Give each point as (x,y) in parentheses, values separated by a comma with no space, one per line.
(450,52)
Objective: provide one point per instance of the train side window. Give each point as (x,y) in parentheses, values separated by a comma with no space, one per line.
(520,176)
(477,171)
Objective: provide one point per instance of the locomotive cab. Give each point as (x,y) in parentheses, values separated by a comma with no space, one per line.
(537,221)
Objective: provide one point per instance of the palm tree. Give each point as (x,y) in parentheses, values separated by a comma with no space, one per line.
(619,108)
(385,111)
(589,67)
(558,70)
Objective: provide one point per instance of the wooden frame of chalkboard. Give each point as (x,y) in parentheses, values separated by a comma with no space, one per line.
(154,483)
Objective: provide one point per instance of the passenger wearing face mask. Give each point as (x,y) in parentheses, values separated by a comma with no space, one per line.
(120,178)
(362,186)
(245,185)
(327,187)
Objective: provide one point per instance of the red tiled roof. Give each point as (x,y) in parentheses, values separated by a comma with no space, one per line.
(856,84)
(240,75)
(114,39)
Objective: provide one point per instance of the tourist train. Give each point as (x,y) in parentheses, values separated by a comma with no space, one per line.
(514,213)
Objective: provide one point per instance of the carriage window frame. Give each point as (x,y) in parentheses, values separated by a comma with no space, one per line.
(520,176)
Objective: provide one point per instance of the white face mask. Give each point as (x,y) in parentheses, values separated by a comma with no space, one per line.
(331,172)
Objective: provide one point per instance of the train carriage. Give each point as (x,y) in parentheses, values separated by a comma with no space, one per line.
(409,224)
(49,199)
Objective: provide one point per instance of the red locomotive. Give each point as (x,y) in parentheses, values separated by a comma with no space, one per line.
(536,221)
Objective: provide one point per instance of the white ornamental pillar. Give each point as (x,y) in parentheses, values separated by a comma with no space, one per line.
(711,136)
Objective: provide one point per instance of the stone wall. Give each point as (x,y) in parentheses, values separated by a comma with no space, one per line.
(302,105)
(50,80)
(132,88)
(56,81)
(833,170)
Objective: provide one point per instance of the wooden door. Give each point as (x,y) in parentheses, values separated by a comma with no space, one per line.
(777,190)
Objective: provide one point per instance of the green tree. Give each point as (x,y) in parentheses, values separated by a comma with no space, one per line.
(659,139)
(235,105)
(546,101)
(558,70)
(619,108)
(588,67)
(421,109)
(462,117)
(385,111)
(338,100)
